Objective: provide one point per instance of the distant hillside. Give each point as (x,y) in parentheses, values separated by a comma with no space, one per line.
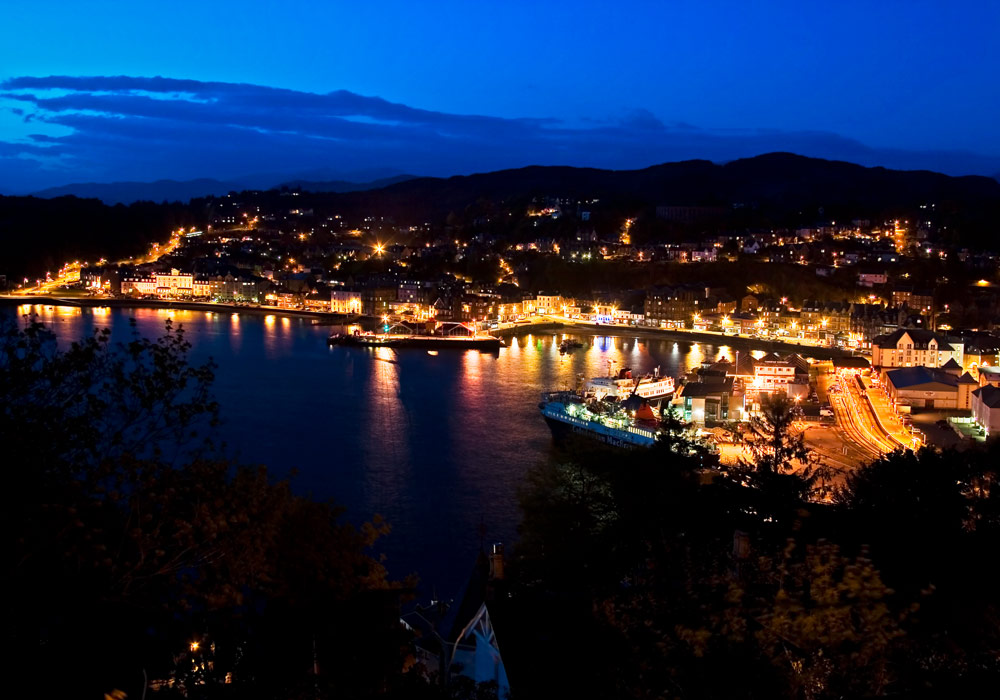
(128,192)
(344,185)
(186,190)
(38,235)
(777,189)
(776,179)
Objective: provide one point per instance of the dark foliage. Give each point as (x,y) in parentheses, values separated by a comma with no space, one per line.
(135,553)
(694,583)
(40,235)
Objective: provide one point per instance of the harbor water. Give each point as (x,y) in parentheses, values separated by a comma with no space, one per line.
(437,444)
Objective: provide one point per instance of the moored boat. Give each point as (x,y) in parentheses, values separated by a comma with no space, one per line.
(565,414)
(426,342)
(621,384)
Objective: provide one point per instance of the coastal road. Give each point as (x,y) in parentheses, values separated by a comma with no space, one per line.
(888,420)
(861,421)
(69,273)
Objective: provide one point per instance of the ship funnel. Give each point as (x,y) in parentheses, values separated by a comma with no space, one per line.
(496,562)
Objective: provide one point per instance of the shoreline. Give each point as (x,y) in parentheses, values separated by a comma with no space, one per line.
(331,319)
(92,302)
(714,339)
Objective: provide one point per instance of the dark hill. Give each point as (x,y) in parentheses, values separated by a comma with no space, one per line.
(343,185)
(128,192)
(775,177)
(779,189)
(38,235)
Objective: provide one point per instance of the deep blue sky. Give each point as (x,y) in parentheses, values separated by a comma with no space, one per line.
(622,84)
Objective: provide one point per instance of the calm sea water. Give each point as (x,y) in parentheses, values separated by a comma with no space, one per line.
(438,445)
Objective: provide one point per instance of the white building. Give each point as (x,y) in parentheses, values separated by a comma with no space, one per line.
(345,301)
(168,285)
(550,303)
(786,375)
(908,347)
(986,408)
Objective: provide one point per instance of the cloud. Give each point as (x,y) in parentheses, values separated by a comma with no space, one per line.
(134,128)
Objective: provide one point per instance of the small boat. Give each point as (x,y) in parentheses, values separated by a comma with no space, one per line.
(432,352)
(568,344)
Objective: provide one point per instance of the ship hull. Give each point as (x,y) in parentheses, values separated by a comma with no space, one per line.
(563,426)
(429,342)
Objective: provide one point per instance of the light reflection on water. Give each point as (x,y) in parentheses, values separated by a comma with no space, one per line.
(436,444)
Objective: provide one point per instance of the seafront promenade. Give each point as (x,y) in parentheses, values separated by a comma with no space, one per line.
(97,302)
(539,325)
(738,342)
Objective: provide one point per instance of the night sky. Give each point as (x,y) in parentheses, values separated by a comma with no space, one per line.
(362,90)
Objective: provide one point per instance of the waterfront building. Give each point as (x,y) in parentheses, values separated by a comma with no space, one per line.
(980,353)
(375,300)
(711,399)
(674,306)
(345,301)
(909,347)
(284,299)
(869,321)
(985,404)
(988,375)
(926,387)
(510,311)
(786,375)
(317,302)
(475,307)
(550,303)
(748,323)
(239,287)
(414,292)
(411,310)
(831,316)
(172,285)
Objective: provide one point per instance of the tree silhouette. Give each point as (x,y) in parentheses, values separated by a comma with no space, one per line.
(128,535)
(780,472)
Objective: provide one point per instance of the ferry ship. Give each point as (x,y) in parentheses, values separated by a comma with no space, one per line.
(428,342)
(565,413)
(622,384)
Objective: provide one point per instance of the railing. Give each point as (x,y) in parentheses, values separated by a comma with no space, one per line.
(598,424)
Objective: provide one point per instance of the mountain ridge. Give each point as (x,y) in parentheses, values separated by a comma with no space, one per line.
(169,190)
